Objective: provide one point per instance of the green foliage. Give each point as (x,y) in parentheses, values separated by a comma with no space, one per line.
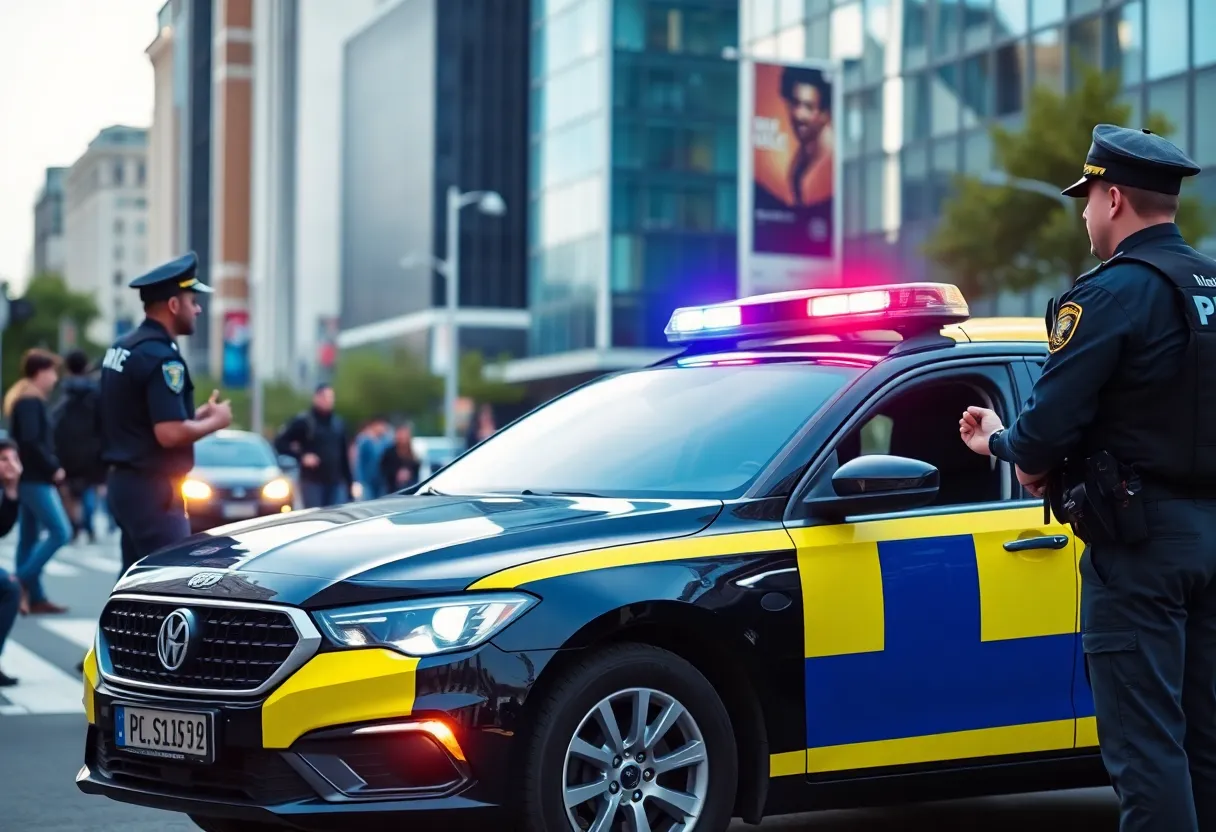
(368,383)
(482,390)
(992,238)
(53,302)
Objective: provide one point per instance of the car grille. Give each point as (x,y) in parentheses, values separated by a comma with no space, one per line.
(251,775)
(239,650)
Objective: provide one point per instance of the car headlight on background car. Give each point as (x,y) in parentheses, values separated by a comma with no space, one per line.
(426,626)
(196,490)
(279,489)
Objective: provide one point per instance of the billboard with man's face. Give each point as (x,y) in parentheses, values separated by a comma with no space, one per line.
(794,174)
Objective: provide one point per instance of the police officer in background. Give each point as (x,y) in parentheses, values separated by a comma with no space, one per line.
(1120,433)
(148,421)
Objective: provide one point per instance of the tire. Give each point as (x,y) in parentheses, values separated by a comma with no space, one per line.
(229,825)
(621,676)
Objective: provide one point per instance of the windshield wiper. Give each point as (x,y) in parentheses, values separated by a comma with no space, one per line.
(529,492)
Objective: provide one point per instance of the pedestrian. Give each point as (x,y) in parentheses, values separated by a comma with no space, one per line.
(76,422)
(149,423)
(317,438)
(399,466)
(370,446)
(482,426)
(1118,434)
(25,406)
(10,587)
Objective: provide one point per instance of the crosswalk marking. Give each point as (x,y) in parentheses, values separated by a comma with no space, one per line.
(44,689)
(79,631)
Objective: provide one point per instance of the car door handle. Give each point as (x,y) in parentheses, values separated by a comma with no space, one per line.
(1051,541)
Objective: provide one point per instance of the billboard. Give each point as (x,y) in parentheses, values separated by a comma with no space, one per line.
(236,349)
(790,176)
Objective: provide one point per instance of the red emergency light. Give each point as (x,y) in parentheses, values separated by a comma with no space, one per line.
(903,307)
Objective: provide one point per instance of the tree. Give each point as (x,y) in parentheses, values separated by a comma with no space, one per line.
(369,383)
(477,387)
(54,303)
(993,238)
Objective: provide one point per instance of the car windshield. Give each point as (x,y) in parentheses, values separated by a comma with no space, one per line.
(234,452)
(695,432)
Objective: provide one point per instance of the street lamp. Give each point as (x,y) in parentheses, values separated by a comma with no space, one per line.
(1033,186)
(491,204)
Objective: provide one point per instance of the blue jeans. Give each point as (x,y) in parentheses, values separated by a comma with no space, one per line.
(88,507)
(10,600)
(322,494)
(41,510)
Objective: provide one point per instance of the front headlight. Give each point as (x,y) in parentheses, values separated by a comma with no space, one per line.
(426,626)
(277,490)
(196,490)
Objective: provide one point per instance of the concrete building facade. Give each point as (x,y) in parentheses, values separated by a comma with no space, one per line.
(106,227)
(48,254)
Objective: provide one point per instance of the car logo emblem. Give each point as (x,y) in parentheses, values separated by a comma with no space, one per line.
(239,493)
(173,641)
(204,579)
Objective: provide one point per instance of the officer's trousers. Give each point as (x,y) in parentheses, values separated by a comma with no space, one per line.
(1148,621)
(149,510)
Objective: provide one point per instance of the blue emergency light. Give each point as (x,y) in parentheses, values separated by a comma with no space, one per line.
(902,307)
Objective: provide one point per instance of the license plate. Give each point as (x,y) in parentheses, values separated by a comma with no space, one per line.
(177,735)
(239,510)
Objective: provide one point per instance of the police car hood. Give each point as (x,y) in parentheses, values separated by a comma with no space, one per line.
(400,546)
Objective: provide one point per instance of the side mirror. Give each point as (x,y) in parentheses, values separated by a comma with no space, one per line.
(877,484)
(288,463)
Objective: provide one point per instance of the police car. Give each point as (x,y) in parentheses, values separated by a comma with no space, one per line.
(760,577)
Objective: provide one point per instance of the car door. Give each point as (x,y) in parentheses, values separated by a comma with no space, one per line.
(1082,696)
(944,633)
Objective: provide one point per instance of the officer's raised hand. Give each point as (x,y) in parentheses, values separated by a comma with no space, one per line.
(221,412)
(208,407)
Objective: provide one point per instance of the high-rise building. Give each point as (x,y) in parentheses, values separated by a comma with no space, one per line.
(435,96)
(164,143)
(106,226)
(48,224)
(634,146)
(924,81)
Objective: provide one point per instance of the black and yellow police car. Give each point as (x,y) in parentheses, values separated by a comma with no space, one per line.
(762,576)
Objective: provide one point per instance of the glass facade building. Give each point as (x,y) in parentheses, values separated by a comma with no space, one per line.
(925,78)
(633,159)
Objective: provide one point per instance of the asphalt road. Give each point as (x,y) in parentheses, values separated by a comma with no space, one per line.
(42,732)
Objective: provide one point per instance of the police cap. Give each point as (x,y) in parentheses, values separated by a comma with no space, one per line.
(1134,158)
(169,279)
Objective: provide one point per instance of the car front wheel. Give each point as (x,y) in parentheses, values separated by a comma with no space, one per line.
(630,738)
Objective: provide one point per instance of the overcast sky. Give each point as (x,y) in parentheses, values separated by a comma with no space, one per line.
(68,68)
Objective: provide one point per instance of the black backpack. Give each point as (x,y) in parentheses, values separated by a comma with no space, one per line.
(76,431)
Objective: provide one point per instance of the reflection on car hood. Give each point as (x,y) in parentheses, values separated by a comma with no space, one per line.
(230,476)
(399,546)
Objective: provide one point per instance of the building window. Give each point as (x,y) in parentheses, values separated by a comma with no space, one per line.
(1085,48)
(1046,12)
(141,174)
(948,13)
(1169,99)
(977,24)
(1205,118)
(977,90)
(1125,42)
(118,226)
(141,228)
(1167,35)
(119,172)
(1201,34)
(1049,60)
(1010,19)
(916,43)
(945,100)
(916,107)
(1010,78)
(118,278)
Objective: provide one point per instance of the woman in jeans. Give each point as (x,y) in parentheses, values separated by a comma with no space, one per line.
(25,406)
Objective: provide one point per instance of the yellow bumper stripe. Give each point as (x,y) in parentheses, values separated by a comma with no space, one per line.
(339,689)
(91,675)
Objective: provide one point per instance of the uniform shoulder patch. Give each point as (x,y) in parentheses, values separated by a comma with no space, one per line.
(174,373)
(1067,317)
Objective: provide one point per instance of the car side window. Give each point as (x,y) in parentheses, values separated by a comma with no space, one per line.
(920,422)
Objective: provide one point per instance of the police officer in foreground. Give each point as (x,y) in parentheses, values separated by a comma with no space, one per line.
(1120,434)
(148,421)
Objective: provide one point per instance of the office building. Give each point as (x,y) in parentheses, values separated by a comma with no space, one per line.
(925,80)
(634,160)
(48,224)
(164,137)
(106,227)
(435,93)
(296,183)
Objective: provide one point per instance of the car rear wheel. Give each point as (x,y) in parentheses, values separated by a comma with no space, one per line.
(630,738)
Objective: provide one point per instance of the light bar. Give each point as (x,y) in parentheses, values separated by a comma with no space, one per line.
(904,307)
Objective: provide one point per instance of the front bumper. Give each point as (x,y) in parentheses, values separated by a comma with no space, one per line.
(354,733)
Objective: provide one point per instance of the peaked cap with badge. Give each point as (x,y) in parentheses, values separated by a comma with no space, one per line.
(169,279)
(1135,159)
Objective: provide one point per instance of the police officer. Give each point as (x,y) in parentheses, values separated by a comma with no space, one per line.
(148,420)
(1120,431)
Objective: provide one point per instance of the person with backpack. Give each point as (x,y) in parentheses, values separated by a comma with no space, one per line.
(317,438)
(76,428)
